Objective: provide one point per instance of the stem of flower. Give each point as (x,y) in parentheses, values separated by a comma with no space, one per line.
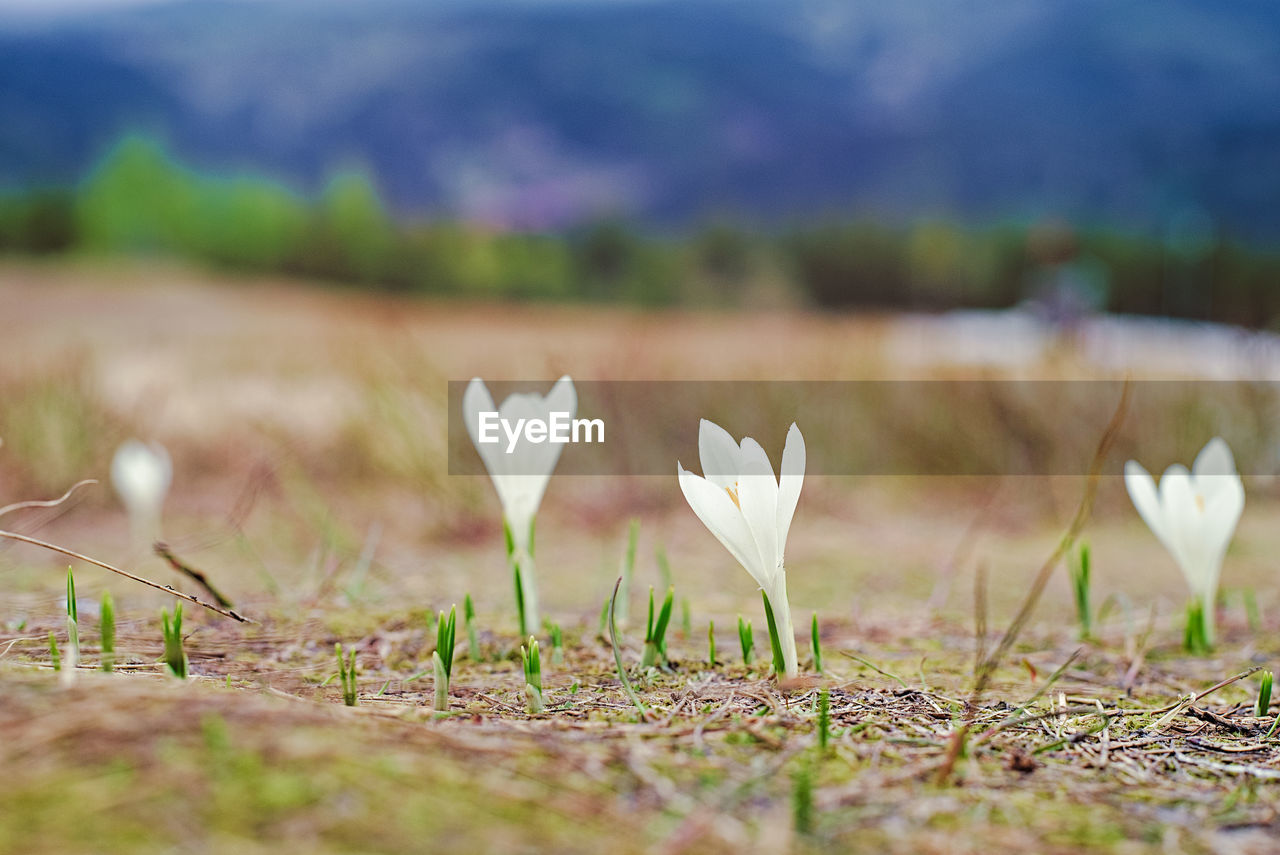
(786,631)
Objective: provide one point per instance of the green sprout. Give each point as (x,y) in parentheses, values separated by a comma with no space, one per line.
(623,608)
(824,719)
(1195,638)
(775,641)
(532,676)
(73,623)
(1079,569)
(442,657)
(469,618)
(617,652)
(816,641)
(1264,694)
(521,611)
(175,658)
(655,635)
(746,639)
(347,674)
(686,618)
(557,644)
(711,644)
(54,656)
(107,623)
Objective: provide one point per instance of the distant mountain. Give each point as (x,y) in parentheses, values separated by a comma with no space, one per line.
(542,114)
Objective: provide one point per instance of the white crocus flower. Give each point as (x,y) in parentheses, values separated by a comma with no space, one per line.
(520,474)
(1194,515)
(141,473)
(750,512)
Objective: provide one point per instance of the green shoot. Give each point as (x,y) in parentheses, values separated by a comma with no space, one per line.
(746,639)
(824,719)
(655,636)
(686,619)
(1079,568)
(54,656)
(469,618)
(802,798)
(622,610)
(532,676)
(72,611)
(1264,694)
(1195,637)
(347,675)
(107,623)
(73,623)
(775,641)
(520,608)
(175,657)
(442,656)
(617,652)
(815,641)
(557,644)
(711,644)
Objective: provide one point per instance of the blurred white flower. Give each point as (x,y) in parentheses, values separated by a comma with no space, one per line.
(520,470)
(1194,514)
(750,512)
(141,474)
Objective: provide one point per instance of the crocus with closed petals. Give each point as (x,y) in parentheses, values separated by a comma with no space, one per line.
(520,475)
(1194,515)
(749,511)
(141,473)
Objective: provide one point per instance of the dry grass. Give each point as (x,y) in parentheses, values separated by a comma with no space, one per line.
(296,421)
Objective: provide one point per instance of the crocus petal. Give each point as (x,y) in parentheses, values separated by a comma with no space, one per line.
(1185,521)
(791,479)
(520,477)
(476,400)
(721,516)
(142,474)
(1142,491)
(758,498)
(1221,515)
(1215,470)
(563,397)
(718,454)
(1214,459)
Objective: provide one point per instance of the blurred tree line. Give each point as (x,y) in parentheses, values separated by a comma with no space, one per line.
(139,200)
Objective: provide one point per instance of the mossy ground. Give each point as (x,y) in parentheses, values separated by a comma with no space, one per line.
(256,750)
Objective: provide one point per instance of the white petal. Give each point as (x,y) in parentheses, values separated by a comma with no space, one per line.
(1142,491)
(1221,514)
(758,497)
(718,454)
(1214,470)
(1214,459)
(563,397)
(476,400)
(1185,520)
(791,479)
(142,473)
(722,517)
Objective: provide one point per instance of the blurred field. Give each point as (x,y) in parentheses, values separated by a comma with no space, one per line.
(307,429)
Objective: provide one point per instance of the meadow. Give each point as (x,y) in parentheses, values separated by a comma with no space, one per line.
(307,430)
